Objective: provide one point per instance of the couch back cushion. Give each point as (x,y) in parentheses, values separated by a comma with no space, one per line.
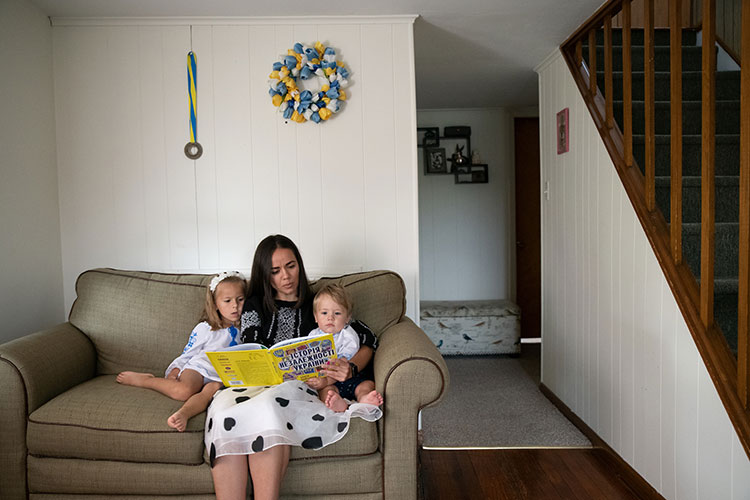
(137,320)
(141,321)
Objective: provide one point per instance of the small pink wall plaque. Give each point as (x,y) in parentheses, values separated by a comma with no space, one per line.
(562,132)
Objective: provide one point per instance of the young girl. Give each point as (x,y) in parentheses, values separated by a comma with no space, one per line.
(191,377)
(332,310)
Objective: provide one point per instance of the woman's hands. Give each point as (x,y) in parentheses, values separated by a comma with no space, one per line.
(337,369)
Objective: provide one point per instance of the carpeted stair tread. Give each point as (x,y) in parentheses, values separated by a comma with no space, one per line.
(661,37)
(691,58)
(726,203)
(726,244)
(728,110)
(727,153)
(727,85)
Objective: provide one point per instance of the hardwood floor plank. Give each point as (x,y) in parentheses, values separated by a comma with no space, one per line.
(537,484)
(498,475)
(552,465)
(451,475)
(521,474)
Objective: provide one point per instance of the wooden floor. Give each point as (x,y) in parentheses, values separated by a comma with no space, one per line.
(553,473)
(581,474)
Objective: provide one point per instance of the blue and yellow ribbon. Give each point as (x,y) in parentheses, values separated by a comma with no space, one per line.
(193,149)
(191,73)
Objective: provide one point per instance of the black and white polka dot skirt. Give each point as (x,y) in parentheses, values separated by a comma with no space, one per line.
(252,419)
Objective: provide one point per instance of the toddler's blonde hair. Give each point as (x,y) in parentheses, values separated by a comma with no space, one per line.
(338,294)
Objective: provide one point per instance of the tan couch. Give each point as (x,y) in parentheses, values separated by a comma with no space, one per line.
(68,429)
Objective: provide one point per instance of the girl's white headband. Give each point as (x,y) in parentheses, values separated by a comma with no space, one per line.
(221,277)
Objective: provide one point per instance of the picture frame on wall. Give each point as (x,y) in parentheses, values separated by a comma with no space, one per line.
(435,161)
(563,135)
(477,174)
(428,137)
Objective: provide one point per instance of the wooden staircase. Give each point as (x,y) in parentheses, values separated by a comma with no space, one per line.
(726,268)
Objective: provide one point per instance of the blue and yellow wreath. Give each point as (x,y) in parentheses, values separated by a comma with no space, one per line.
(306,62)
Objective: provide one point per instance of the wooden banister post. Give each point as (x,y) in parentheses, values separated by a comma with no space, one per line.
(675,80)
(708,140)
(649,104)
(592,62)
(609,105)
(627,84)
(743,306)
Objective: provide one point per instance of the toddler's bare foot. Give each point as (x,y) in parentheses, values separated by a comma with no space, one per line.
(177,421)
(335,402)
(372,398)
(133,378)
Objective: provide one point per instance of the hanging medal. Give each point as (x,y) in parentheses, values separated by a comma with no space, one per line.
(193,149)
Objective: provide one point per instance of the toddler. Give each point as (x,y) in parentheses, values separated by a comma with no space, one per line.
(191,377)
(332,311)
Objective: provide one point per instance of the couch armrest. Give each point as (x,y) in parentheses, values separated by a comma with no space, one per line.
(411,374)
(33,370)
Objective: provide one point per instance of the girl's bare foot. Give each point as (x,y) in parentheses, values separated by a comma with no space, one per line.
(177,421)
(372,398)
(336,402)
(133,378)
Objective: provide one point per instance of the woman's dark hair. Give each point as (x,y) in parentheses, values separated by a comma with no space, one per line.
(260,274)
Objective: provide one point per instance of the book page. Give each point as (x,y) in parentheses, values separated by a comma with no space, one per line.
(244,368)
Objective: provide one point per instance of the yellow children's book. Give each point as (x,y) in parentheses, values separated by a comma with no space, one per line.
(254,364)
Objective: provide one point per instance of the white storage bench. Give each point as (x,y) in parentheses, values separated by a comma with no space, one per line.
(472,326)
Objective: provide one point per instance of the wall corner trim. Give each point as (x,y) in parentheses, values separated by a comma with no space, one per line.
(548,60)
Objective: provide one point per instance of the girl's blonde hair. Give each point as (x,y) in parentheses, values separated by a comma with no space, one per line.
(211,311)
(338,294)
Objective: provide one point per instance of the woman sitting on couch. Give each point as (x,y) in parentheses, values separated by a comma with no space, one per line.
(253,428)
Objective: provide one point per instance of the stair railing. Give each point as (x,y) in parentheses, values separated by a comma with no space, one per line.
(731,376)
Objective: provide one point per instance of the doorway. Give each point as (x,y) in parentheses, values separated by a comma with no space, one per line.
(528,232)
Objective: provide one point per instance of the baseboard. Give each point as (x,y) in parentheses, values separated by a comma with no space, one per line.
(641,488)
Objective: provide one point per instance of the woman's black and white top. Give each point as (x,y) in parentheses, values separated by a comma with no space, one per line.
(249,420)
(287,322)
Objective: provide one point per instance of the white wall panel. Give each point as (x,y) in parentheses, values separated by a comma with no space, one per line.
(714,442)
(616,349)
(153,147)
(344,190)
(129,238)
(379,156)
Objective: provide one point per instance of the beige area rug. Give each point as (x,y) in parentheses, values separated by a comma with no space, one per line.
(494,401)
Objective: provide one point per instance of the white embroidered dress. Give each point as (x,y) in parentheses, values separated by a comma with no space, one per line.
(204,339)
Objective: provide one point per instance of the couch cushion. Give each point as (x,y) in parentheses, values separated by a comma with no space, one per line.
(136,320)
(103,420)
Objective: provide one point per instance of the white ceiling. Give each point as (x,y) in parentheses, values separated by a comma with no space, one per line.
(468,53)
